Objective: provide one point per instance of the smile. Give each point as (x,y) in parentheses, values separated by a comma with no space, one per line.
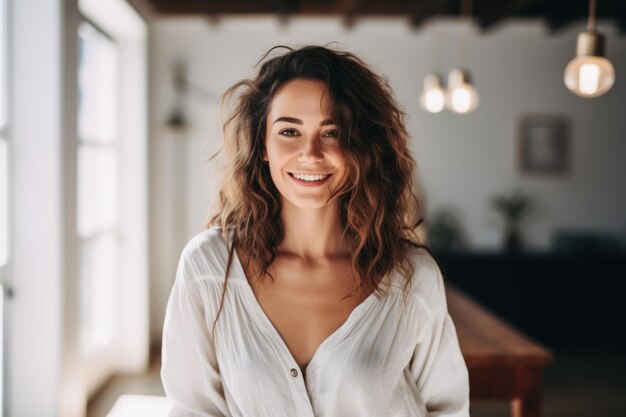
(310,179)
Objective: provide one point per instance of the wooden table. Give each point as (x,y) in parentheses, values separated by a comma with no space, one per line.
(503,364)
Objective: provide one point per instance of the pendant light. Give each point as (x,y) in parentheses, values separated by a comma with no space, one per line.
(177,119)
(462,97)
(590,74)
(433,95)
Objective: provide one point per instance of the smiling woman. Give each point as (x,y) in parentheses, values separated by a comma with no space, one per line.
(310,294)
(302,149)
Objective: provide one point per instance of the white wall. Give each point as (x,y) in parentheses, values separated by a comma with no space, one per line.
(462,160)
(35,314)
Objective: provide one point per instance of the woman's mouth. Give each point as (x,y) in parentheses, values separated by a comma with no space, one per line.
(310,180)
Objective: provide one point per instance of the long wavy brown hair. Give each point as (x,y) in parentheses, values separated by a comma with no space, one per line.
(378,204)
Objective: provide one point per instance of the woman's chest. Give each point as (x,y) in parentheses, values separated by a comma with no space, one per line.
(307,304)
(362,353)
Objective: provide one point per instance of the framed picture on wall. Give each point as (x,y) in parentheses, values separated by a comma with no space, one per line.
(543,144)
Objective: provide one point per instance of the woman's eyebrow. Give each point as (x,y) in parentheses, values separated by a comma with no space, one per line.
(293,120)
(288,120)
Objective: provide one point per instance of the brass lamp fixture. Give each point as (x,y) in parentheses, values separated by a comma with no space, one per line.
(590,74)
(462,97)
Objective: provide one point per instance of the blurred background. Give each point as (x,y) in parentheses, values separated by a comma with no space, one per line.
(109,111)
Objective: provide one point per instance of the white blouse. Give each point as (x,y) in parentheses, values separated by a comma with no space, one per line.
(389,359)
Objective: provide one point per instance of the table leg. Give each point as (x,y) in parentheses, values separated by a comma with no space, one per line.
(528,392)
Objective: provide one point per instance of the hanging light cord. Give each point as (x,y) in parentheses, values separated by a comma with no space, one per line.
(437,50)
(466,11)
(591,23)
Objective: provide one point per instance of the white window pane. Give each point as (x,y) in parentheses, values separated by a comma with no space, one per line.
(4,197)
(98,277)
(97,189)
(97,86)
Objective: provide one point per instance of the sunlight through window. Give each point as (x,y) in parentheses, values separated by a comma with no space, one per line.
(98,186)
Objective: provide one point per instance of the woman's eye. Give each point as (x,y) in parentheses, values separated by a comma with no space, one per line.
(331,134)
(288,132)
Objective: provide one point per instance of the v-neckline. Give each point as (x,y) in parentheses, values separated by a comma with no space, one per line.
(326,344)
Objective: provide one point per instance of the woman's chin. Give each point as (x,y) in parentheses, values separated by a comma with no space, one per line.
(308,203)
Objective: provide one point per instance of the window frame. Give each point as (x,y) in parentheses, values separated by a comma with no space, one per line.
(87,349)
(6,291)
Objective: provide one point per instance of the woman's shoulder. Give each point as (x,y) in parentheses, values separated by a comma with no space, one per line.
(212,237)
(427,284)
(204,256)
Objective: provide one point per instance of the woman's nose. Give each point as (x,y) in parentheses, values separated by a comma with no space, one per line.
(311,151)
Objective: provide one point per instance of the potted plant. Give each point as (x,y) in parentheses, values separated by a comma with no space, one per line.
(514,208)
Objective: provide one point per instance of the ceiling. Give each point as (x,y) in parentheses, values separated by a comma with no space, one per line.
(487,13)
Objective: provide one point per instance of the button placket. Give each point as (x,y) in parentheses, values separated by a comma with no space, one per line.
(298,384)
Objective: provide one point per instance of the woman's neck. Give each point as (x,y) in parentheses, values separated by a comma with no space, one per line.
(312,234)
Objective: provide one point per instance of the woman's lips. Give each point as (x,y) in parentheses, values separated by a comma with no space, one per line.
(305,183)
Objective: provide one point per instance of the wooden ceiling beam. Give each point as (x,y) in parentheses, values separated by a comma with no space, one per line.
(487,12)
(426,9)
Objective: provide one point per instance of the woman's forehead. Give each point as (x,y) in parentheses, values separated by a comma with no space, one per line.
(301,98)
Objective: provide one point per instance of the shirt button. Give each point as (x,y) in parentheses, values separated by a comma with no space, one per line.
(294,372)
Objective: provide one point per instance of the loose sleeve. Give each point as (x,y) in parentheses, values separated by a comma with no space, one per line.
(189,369)
(437,365)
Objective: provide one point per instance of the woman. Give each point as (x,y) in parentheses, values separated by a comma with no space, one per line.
(309,294)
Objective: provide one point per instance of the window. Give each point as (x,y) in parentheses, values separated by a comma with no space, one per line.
(98,187)
(4,157)
(4,190)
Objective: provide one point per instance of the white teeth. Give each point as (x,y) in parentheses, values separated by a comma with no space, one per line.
(310,177)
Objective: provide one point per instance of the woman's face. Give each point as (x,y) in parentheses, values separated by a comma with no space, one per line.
(302,144)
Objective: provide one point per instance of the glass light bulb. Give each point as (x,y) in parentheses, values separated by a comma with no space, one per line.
(589,76)
(432,98)
(463,98)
